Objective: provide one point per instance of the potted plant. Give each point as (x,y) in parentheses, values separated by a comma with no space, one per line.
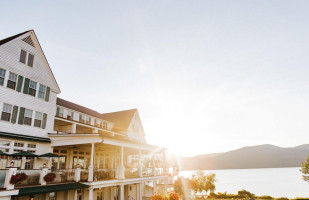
(50,177)
(18,177)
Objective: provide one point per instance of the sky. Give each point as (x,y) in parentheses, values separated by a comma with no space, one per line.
(205,76)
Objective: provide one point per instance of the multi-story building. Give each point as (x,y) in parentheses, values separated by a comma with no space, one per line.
(67,151)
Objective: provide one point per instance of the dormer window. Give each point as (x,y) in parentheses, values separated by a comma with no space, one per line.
(12,81)
(23,55)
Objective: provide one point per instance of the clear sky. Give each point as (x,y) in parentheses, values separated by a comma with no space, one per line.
(206,76)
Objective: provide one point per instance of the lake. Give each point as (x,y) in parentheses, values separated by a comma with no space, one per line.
(276,182)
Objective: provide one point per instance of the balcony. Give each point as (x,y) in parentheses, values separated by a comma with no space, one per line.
(36,177)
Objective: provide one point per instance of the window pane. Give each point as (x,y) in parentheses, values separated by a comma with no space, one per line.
(2,72)
(22,58)
(13,77)
(30,60)
(42,89)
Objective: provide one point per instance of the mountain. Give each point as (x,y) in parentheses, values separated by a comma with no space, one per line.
(261,156)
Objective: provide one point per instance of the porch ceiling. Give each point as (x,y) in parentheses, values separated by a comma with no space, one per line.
(74,139)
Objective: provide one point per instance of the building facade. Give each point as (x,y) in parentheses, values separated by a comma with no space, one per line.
(65,150)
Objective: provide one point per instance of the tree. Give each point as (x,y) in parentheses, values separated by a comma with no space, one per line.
(182,186)
(203,183)
(305,170)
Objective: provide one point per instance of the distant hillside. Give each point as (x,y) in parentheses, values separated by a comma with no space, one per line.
(261,156)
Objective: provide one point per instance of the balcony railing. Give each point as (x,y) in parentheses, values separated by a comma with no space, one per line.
(147,172)
(84,175)
(103,174)
(33,177)
(131,172)
(64,175)
(159,171)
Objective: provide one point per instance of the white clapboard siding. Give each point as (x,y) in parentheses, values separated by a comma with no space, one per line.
(40,73)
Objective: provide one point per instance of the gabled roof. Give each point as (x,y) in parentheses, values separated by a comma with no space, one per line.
(79,108)
(12,37)
(122,119)
(6,40)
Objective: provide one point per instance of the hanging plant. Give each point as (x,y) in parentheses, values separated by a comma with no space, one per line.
(50,177)
(19,177)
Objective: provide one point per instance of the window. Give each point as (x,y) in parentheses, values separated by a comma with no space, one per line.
(81,118)
(42,90)
(29,163)
(69,115)
(23,55)
(97,122)
(2,76)
(28,117)
(38,119)
(6,112)
(105,125)
(30,60)
(18,144)
(32,146)
(4,143)
(87,120)
(12,81)
(32,88)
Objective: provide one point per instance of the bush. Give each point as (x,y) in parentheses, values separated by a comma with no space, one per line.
(19,177)
(50,177)
(173,196)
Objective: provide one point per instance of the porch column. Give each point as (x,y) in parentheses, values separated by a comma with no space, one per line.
(121,196)
(140,167)
(165,167)
(154,187)
(121,169)
(90,173)
(9,172)
(90,193)
(73,130)
(141,189)
(154,166)
(23,162)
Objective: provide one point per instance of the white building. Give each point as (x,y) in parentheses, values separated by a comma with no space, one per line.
(91,155)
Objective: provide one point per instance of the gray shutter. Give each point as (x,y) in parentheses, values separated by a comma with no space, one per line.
(44,121)
(14,114)
(20,83)
(26,86)
(21,115)
(47,94)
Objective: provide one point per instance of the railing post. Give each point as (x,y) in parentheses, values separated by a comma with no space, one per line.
(9,172)
(43,172)
(77,174)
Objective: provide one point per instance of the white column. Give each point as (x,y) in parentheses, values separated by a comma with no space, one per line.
(90,173)
(140,167)
(23,162)
(153,166)
(73,130)
(141,189)
(9,172)
(90,193)
(121,168)
(121,196)
(77,174)
(154,187)
(43,172)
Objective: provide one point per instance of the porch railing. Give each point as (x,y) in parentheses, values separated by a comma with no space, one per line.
(32,179)
(103,174)
(147,172)
(84,175)
(64,175)
(131,172)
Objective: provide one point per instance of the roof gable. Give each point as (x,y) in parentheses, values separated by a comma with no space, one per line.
(31,39)
(122,119)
